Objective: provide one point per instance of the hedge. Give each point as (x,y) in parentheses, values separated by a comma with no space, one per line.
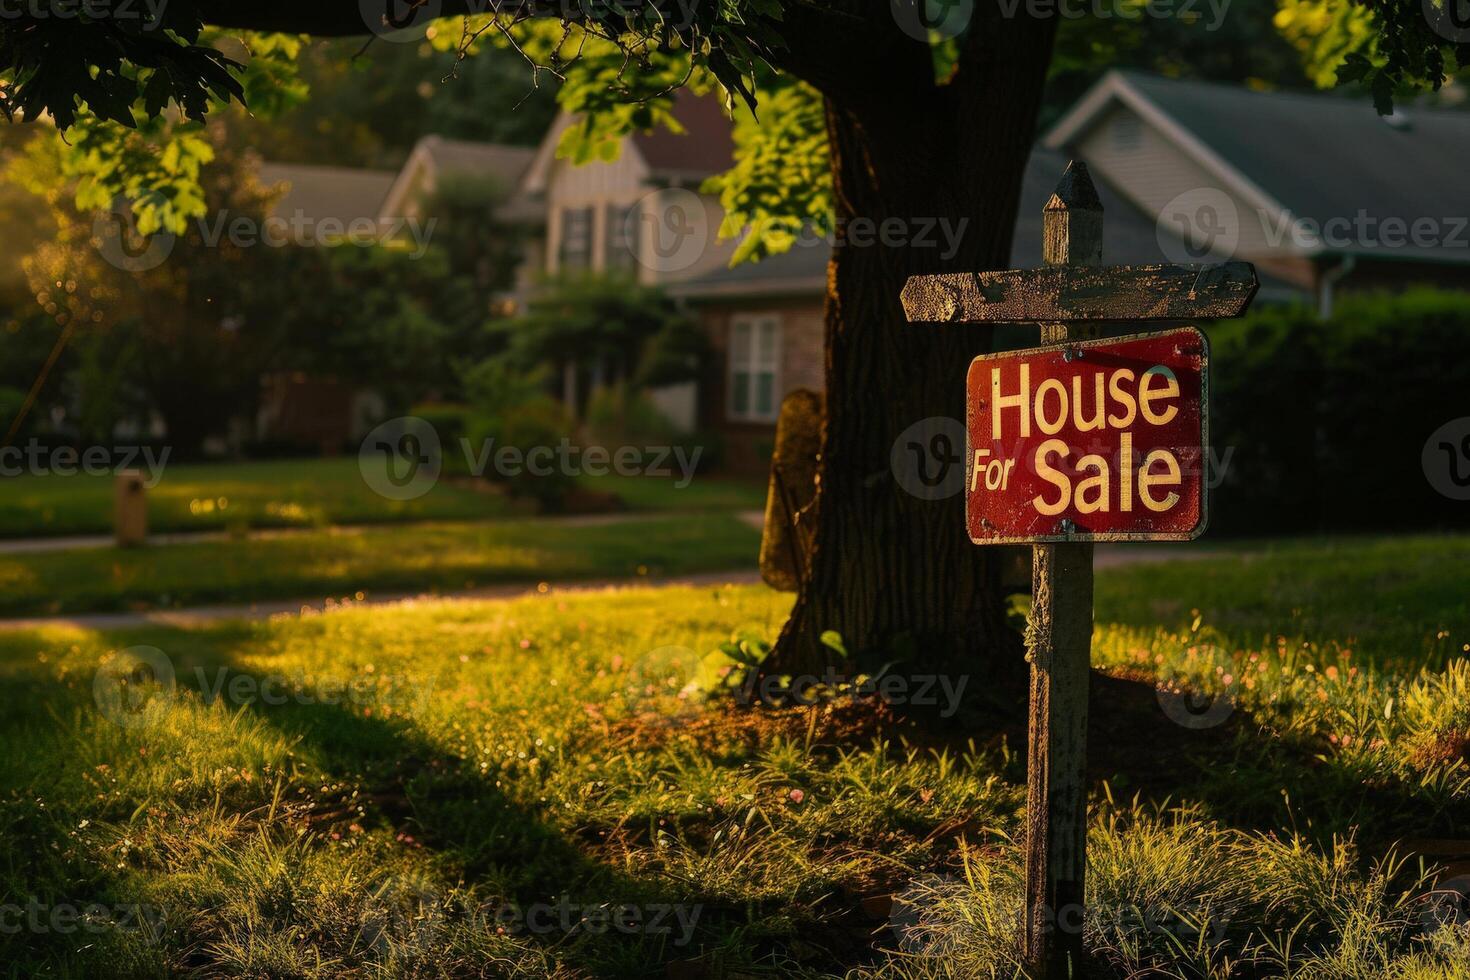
(1326,422)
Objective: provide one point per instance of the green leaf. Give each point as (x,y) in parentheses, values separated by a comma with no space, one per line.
(833,640)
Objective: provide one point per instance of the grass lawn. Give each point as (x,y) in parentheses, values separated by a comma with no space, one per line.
(439,556)
(529,788)
(303,493)
(703,493)
(1386,597)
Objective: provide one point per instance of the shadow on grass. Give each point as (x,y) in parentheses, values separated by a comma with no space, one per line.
(387,775)
(1176,747)
(527,876)
(377,774)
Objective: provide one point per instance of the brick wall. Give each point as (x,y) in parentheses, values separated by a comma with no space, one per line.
(747,445)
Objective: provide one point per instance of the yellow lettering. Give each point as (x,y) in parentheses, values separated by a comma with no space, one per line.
(1097,483)
(975,467)
(1147,480)
(1058,480)
(1146,394)
(1021,401)
(1053,427)
(1097,421)
(1120,394)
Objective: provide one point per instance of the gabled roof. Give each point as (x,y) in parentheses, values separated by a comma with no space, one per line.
(1316,156)
(436,156)
(462,157)
(1129,238)
(321,193)
(705,147)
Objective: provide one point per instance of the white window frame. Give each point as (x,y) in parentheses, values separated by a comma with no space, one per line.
(752,366)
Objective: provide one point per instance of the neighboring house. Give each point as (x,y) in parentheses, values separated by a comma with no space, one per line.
(604,216)
(435,158)
(766,319)
(302,410)
(1187,171)
(297,409)
(1318,190)
(319,194)
(640,215)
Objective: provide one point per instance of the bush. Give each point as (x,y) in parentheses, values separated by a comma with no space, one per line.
(1326,422)
(618,416)
(537,423)
(510,409)
(451,424)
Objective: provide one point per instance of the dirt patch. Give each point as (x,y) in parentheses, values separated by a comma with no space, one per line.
(1445,747)
(1155,740)
(841,722)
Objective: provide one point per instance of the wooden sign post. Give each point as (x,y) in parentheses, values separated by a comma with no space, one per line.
(1074,442)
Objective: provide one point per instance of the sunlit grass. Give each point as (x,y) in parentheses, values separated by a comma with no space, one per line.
(313,493)
(360,793)
(337,562)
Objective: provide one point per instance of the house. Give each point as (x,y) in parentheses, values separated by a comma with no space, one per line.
(296,409)
(299,410)
(1318,191)
(640,216)
(604,217)
(435,158)
(1315,189)
(766,319)
(322,193)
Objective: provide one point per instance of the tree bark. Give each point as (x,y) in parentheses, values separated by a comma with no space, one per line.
(890,571)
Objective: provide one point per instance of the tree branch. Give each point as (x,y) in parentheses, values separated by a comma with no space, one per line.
(345,18)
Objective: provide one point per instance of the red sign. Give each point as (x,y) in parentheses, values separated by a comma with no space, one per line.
(1097,440)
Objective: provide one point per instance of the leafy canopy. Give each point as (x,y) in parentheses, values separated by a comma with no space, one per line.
(130,96)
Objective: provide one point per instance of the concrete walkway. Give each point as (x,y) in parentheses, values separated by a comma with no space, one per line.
(1119,555)
(1107,556)
(200,616)
(82,542)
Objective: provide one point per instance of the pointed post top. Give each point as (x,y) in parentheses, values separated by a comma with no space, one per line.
(1075,191)
(1071,231)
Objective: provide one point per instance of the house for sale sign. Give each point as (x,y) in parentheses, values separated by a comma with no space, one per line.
(1091,441)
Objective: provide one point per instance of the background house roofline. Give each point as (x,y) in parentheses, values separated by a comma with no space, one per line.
(1115,88)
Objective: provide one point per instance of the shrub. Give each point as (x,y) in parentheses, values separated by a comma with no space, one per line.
(618,415)
(1326,421)
(451,424)
(510,410)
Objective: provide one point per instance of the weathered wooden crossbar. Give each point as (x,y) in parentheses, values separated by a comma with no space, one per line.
(1128,292)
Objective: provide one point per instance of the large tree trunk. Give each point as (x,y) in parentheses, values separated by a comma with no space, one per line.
(890,570)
